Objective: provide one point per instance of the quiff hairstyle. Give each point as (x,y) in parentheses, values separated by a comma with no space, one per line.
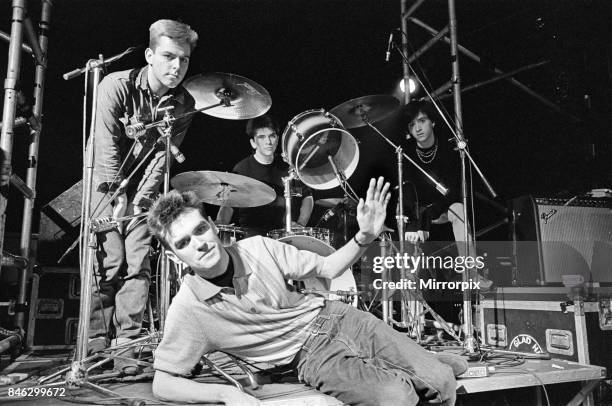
(168,208)
(172,29)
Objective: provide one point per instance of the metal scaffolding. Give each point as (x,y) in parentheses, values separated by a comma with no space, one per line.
(38,43)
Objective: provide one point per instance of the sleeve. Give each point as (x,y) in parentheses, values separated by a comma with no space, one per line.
(108,131)
(292,262)
(183,344)
(153,175)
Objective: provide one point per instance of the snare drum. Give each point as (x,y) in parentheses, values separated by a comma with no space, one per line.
(314,138)
(230,234)
(344,283)
(321,234)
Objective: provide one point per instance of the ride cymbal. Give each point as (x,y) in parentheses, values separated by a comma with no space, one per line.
(224,188)
(242,98)
(358,112)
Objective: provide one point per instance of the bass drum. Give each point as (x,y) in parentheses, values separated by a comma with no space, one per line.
(311,140)
(345,282)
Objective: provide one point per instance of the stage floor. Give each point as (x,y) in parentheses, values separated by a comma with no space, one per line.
(532,373)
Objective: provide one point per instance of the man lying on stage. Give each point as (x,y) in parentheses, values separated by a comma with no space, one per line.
(236,300)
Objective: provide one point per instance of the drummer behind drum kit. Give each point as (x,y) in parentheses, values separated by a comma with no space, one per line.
(319,149)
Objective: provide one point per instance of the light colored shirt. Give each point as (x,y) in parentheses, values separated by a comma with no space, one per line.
(260,319)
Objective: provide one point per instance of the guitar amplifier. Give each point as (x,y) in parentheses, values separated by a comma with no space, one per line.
(558,239)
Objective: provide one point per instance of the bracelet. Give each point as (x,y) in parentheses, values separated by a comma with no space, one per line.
(358,243)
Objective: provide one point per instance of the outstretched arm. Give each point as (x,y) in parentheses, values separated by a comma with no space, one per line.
(174,388)
(371,214)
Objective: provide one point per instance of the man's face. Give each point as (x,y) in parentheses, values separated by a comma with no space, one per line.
(169,62)
(265,141)
(422,129)
(193,240)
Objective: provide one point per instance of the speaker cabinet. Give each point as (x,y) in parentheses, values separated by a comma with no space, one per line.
(59,227)
(561,237)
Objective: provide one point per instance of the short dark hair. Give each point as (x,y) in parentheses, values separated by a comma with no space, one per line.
(168,208)
(412,110)
(172,29)
(265,121)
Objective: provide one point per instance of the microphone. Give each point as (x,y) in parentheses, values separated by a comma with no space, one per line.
(388,54)
(135,130)
(178,155)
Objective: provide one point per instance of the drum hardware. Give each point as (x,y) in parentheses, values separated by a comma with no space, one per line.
(374,107)
(314,141)
(321,234)
(287,194)
(228,96)
(224,188)
(229,234)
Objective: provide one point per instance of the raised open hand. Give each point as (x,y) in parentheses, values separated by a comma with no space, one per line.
(371,213)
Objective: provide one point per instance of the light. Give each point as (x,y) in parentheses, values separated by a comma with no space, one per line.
(411,85)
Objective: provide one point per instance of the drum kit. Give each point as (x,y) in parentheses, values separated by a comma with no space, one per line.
(320,151)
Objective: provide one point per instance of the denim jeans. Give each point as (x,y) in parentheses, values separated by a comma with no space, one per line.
(357,358)
(123,273)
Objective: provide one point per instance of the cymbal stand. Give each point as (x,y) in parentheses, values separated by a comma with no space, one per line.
(287,194)
(349,194)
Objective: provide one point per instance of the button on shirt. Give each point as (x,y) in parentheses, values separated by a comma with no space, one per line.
(260,319)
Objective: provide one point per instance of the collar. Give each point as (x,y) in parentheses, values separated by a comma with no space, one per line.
(204,290)
(142,83)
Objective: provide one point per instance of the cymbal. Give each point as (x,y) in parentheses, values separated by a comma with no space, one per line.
(224,188)
(244,98)
(357,112)
(330,202)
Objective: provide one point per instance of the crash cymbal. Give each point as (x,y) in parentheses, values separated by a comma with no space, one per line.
(243,97)
(330,202)
(356,112)
(224,189)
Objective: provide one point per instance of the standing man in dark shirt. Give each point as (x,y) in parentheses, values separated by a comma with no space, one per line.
(269,168)
(121,285)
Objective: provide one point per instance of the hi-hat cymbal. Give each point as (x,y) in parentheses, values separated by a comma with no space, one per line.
(243,97)
(358,112)
(224,188)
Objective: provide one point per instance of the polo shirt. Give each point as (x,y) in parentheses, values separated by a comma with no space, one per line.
(260,319)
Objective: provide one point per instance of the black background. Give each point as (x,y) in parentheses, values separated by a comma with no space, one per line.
(318,54)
